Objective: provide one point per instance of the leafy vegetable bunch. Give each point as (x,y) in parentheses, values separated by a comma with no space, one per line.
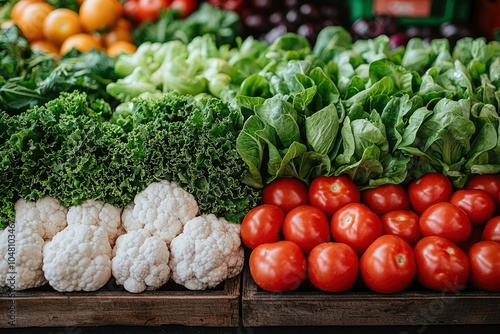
(69,150)
(29,78)
(379,115)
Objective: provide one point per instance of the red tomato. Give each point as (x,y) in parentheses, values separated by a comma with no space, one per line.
(429,189)
(441,265)
(285,192)
(332,267)
(356,225)
(144,10)
(330,193)
(186,7)
(484,259)
(385,198)
(477,204)
(307,226)
(404,224)
(491,231)
(445,220)
(278,266)
(261,225)
(388,265)
(487,182)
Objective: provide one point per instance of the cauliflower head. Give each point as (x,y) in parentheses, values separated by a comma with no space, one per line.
(162,209)
(140,261)
(100,214)
(207,252)
(21,243)
(78,258)
(21,261)
(45,217)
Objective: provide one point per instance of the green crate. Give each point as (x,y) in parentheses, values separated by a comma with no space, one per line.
(441,11)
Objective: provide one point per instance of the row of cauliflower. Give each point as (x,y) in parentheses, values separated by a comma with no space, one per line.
(157,237)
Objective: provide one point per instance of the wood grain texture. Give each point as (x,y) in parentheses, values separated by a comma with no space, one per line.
(216,308)
(315,308)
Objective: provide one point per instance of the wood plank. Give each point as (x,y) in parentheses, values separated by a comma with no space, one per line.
(364,308)
(216,308)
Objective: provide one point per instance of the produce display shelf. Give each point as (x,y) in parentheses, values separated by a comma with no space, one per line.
(170,305)
(364,308)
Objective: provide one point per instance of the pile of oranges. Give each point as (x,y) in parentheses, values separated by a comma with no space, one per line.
(98,24)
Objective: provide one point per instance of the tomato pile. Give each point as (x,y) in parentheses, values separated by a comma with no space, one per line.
(336,237)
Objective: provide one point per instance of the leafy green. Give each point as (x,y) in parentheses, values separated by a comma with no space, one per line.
(224,25)
(70,4)
(28,78)
(193,142)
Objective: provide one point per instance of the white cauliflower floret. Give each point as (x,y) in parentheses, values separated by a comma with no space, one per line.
(97,213)
(140,261)
(162,209)
(45,217)
(21,249)
(78,258)
(207,252)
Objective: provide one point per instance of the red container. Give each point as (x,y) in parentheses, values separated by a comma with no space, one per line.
(487,17)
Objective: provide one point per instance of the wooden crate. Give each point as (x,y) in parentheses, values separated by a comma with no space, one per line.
(171,304)
(364,308)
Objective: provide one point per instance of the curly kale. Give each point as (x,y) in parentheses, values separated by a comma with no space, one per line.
(193,142)
(69,150)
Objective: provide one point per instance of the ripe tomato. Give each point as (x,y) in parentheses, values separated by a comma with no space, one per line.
(388,265)
(31,20)
(385,198)
(429,189)
(404,224)
(476,203)
(60,24)
(82,42)
(285,192)
(484,259)
(186,7)
(261,224)
(441,265)
(330,193)
(356,225)
(278,266)
(487,182)
(99,15)
(491,230)
(332,267)
(307,226)
(445,220)
(145,10)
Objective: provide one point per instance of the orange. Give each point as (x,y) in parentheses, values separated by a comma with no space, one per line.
(60,24)
(123,23)
(45,47)
(120,47)
(118,34)
(18,8)
(31,20)
(83,42)
(99,15)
